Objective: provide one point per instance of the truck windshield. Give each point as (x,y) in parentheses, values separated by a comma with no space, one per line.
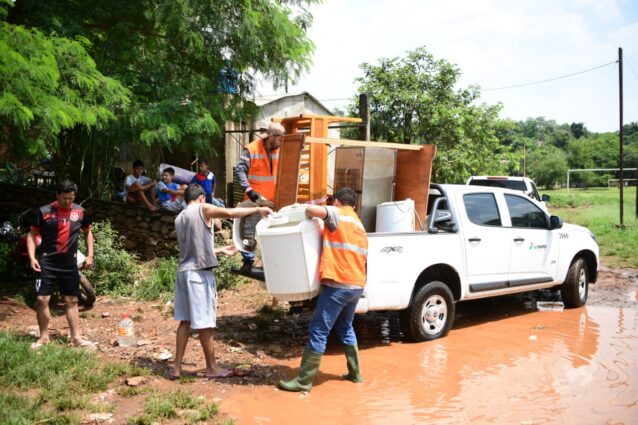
(507,184)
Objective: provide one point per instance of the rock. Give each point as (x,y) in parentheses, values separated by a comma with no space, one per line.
(156,226)
(163,355)
(142,342)
(135,381)
(106,314)
(168,219)
(129,244)
(143,225)
(33,331)
(164,230)
(97,418)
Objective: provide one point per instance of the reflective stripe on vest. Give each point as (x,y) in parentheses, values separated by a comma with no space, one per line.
(260,175)
(345,251)
(345,246)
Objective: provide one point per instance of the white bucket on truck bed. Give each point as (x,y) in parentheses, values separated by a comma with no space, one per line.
(290,250)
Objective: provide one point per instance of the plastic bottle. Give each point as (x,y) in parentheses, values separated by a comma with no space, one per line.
(126,332)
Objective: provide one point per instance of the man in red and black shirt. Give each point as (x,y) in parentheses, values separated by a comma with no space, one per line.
(59,224)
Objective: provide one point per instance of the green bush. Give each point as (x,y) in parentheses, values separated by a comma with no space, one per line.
(224,278)
(115,268)
(160,282)
(6,265)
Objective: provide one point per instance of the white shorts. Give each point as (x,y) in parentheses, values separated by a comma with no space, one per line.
(196,298)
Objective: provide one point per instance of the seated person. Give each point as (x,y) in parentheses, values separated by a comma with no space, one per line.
(169,194)
(206,179)
(139,188)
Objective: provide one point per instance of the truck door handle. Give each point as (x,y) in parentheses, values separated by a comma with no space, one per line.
(519,239)
(474,239)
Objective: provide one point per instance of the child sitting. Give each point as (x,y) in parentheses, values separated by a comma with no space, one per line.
(170,195)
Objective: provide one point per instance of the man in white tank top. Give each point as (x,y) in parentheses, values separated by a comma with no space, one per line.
(195,289)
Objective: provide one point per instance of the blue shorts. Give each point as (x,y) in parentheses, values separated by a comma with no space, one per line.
(196,298)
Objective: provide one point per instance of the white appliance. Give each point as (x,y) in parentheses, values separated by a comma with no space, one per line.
(396,216)
(290,250)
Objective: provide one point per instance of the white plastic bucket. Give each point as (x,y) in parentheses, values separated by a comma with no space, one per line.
(396,216)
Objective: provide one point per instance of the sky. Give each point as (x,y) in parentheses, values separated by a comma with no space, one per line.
(495,43)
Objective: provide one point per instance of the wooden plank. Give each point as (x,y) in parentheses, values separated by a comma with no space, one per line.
(307,117)
(318,159)
(288,170)
(414,170)
(360,143)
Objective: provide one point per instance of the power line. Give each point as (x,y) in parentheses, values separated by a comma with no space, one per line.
(631,68)
(550,79)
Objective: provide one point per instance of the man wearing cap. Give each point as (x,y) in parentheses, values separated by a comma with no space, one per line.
(257,173)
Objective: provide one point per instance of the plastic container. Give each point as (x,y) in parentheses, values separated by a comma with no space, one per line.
(290,252)
(397,216)
(126,332)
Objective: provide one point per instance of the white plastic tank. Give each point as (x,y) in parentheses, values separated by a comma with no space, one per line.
(290,251)
(396,216)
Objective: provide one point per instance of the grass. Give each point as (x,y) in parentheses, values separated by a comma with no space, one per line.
(598,209)
(175,404)
(51,384)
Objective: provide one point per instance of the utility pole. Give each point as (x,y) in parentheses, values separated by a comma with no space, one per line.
(621,137)
(524,159)
(364,114)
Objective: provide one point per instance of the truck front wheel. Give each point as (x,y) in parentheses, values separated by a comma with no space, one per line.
(575,288)
(430,314)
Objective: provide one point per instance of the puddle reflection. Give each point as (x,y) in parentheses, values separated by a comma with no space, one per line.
(581,367)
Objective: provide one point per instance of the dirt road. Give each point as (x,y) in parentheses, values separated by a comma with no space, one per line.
(503,362)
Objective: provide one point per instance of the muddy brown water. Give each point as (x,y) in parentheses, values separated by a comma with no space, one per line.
(503,362)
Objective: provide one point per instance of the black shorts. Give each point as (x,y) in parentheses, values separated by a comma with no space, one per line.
(68,281)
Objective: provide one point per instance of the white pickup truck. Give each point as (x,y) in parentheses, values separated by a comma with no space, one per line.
(479,242)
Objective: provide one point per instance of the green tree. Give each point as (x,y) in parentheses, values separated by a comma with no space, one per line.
(47,85)
(547,165)
(190,65)
(414,100)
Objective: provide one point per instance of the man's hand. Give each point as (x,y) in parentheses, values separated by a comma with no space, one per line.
(264,211)
(229,250)
(88,262)
(35,265)
(253,195)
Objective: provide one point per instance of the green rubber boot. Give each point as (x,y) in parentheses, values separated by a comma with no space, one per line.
(310,362)
(352,356)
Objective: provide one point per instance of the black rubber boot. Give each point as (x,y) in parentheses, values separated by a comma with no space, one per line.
(352,356)
(310,362)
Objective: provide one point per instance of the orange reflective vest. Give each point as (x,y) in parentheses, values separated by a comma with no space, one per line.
(261,176)
(345,251)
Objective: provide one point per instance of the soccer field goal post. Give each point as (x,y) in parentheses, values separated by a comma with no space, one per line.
(582,170)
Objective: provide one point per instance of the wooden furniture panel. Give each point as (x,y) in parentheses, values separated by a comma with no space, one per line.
(414,170)
(288,170)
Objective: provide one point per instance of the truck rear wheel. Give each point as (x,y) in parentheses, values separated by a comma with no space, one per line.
(575,289)
(430,314)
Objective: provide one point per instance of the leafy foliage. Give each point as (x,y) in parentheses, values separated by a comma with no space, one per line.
(161,280)
(548,165)
(116,270)
(189,66)
(47,85)
(414,100)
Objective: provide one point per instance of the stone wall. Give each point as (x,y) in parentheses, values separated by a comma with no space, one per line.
(150,234)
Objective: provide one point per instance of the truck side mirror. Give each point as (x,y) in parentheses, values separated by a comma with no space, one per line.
(555,222)
(545,198)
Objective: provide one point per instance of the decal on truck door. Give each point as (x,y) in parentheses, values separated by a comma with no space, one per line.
(390,249)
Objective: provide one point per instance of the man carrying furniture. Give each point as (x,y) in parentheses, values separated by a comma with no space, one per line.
(257,174)
(343,274)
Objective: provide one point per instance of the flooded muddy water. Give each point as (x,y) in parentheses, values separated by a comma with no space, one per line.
(503,362)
